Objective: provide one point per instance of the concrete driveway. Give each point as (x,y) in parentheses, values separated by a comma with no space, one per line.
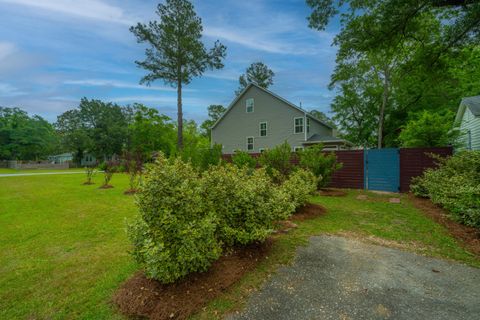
(339,278)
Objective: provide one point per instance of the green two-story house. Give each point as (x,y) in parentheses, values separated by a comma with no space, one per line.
(258,119)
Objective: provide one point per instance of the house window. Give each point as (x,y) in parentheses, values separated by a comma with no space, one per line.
(263,129)
(296,149)
(250,144)
(249,104)
(308,125)
(261,150)
(298,125)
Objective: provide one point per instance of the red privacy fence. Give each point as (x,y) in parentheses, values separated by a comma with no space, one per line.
(412,163)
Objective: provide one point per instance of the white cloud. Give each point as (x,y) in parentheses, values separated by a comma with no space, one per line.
(7,90)
(89,9)
(6,49)
(120,84)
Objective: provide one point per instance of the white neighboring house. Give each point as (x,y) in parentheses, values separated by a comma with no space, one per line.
(468,120)
(258,119)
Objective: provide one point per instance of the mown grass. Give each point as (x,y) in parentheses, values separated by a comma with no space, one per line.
(374,220)
(63,247)
(13,171)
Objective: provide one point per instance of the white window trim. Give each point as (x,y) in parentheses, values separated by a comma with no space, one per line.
(260,129)
(295,125)
(246,105)
(295,149)
(253,144)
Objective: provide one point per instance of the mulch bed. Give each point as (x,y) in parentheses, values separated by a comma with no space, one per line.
(130,191)
(468,236)
(106,186)
(88,183)
(142,297)
(332,192)
(308,211)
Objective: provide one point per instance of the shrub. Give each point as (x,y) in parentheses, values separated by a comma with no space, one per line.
(202,158)
(278,161)
(321,164)
(242,159)
(89,172)
(108,171)
(299,186)
(246,203)
(455,185)
(174,235)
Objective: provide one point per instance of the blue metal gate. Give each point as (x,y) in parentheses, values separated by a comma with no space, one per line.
(382,169)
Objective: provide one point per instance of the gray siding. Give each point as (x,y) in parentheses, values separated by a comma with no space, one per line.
(472,124)
(318,128)
(234,128)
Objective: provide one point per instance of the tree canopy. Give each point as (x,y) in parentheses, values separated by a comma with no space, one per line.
(397,58)
(215,111)
(258,73)
(24,137)
(176,53)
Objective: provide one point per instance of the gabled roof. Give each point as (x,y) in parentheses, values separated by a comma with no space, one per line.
(472,103)
(272,94)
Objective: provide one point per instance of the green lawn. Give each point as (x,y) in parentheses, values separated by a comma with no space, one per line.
(7,171)
(63,248)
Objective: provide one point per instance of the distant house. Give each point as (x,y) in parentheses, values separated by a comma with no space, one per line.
(258,119)
(87,160)
(468,120)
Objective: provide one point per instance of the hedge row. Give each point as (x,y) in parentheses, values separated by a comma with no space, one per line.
(454,185)
(187,218)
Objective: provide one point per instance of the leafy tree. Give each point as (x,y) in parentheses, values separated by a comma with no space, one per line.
(429,130)
(96,126)
(278,161)
(176,53)
(395,59)
(25,138)
(74,135)
(322,117)
(258,73)
(399,18)
(149,132)
(215,111)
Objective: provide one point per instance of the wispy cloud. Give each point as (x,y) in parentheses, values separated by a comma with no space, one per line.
(89,9)
(118,84)
(7,90)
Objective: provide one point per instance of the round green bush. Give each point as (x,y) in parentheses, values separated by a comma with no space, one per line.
(174,235)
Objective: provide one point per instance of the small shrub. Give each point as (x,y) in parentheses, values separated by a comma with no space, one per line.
(174,235)
(321,164)
(454,185)
(89,172)
(134,167)
(242,159)
(110,169)
(299,186)
(246,203)
(278,161)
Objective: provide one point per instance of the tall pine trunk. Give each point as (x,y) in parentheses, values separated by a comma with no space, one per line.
(381,118)
(179,116)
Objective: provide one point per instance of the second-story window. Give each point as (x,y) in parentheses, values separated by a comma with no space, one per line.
(308,125)
(263,129)
(249,104)
(298,125)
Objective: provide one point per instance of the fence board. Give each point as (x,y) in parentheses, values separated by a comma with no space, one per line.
(413,161)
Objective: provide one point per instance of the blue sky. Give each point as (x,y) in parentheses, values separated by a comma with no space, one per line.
(54,52)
